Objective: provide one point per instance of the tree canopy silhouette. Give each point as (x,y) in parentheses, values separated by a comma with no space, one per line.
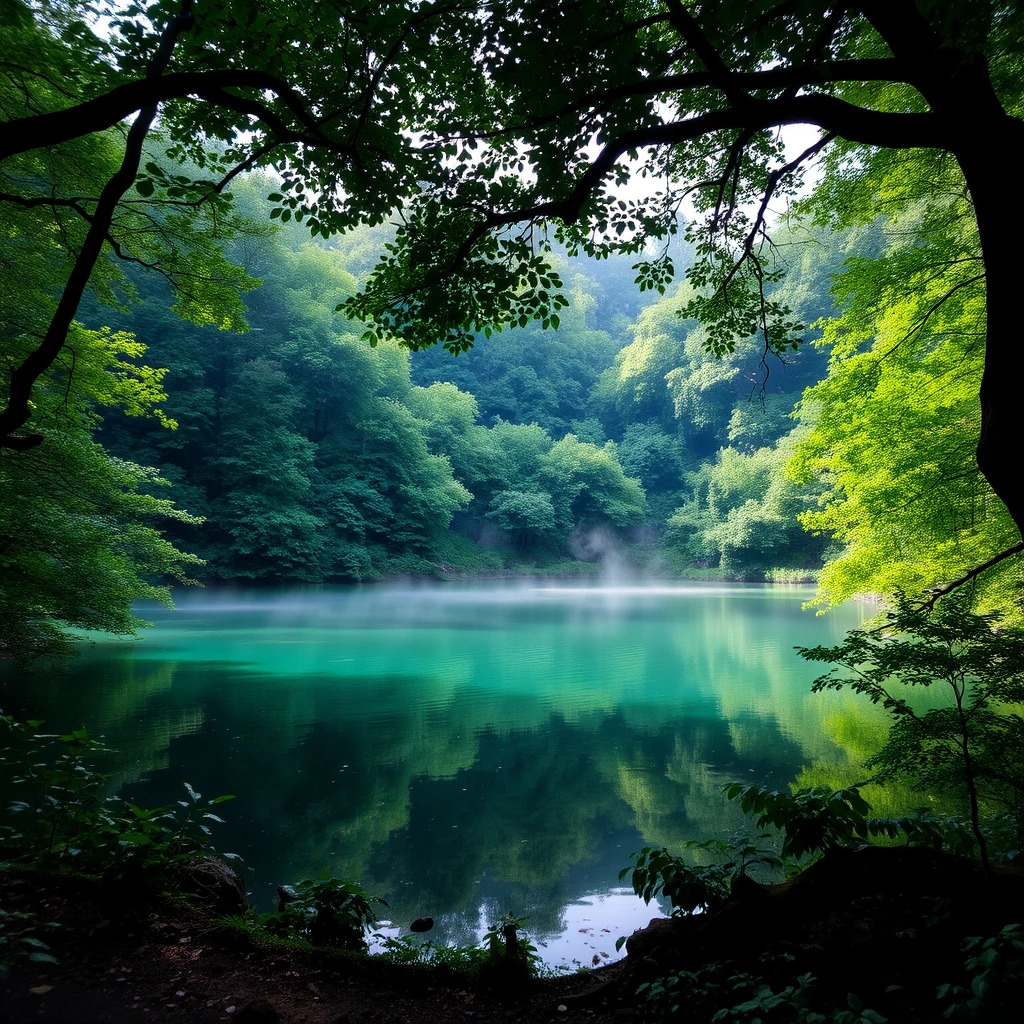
(500,128)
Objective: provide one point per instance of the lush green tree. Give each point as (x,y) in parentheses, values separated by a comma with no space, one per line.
(688,526)
(69,172)
(77,540)
(262,471)
(450,423)
(760,422)
(520,450)
(509,492)
(634,388)
(743,515)
(973,742)
(588,487)
(656,459)
(504,102)
(535,489)
(409,495)
(670,374)
(528,516)
(78,536)
(895,423)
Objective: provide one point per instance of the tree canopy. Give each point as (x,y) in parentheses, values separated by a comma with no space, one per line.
(496,132)
(567,104)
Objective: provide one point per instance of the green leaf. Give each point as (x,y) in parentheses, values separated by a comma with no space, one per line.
(136,839)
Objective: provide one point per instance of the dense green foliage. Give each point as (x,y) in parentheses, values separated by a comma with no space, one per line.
(894,424)
(327,911)
(61,815)
(505,958)
(691,887)
(302,454)
(312,456)
(810,823)
(662,429)
(973,742)
(78,528)
(703,437)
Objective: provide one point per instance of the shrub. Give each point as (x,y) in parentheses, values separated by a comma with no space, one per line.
(61,817)
(326,911)
(695,887)
(974,745)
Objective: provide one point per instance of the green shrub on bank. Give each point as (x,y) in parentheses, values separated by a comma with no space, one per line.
(326,911)
(504,956)
(972,746)
(20,940)
(61,817)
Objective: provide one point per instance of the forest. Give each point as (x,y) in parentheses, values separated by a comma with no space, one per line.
(216,412)
(444,290)
(275,444)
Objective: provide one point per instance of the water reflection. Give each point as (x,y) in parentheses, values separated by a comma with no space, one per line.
(464,751)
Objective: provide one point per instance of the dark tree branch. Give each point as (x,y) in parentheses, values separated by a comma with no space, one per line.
(901,24)
(835,116)
(776,176)
(694,37)
(245,165)
(282,133)
(24,134)
(791,77)
(940,592)
(747,251)
(730,176)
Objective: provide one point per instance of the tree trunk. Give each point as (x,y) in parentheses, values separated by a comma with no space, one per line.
(23,377)
(991,169)
(987,143)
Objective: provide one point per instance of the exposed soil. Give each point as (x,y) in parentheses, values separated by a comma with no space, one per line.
(885,923)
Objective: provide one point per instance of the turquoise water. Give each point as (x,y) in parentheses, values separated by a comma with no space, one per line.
(463,750)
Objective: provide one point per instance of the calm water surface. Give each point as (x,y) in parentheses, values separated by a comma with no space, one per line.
(463,750)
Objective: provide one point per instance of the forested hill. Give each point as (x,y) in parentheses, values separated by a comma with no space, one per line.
(311,456)
(285,448)
(186,401)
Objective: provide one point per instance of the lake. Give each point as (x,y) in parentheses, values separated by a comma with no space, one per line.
(466,750)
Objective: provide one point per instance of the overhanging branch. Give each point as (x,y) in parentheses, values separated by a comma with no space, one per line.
(938,592)
(794,76)
(833,115)
(24,134)
(18,408)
